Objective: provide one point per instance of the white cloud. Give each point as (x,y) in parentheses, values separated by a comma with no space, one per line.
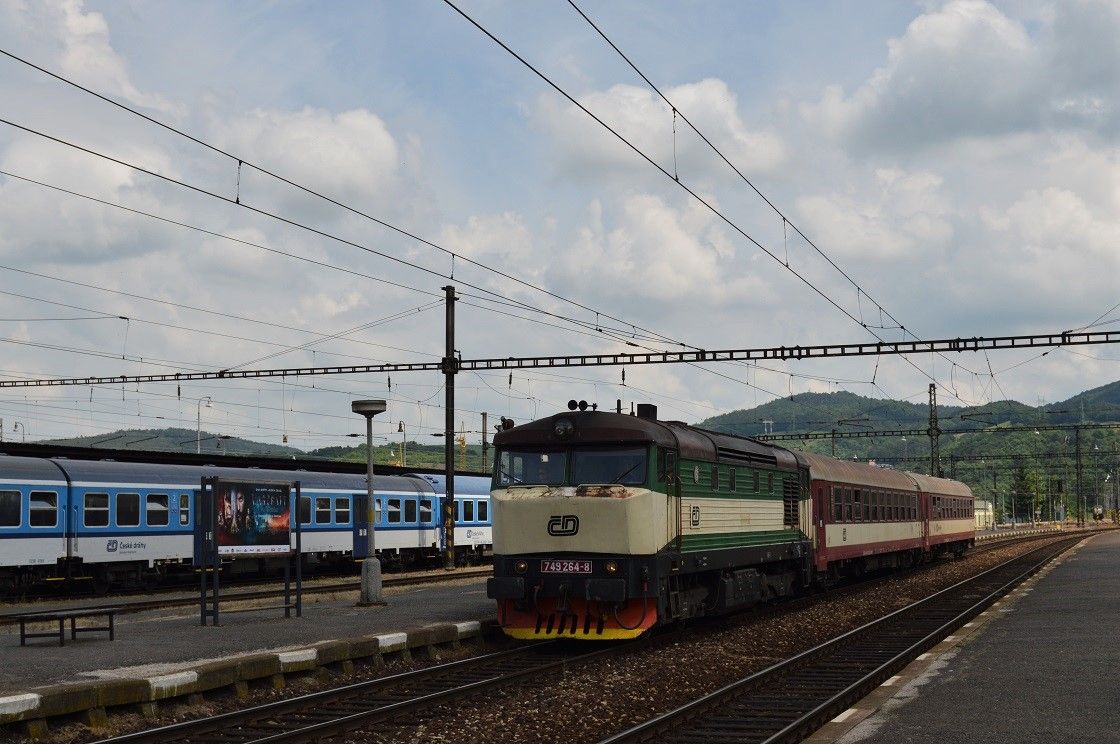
(968,69)
(637,114)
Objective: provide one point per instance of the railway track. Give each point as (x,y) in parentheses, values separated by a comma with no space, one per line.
(791,699)
(334,712)
(159,603)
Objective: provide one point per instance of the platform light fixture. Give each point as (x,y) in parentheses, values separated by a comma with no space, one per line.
(371,567)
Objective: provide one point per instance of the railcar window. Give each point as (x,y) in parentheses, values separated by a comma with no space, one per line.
(394,511)
(533,468)
(9,508)
(96,509)
(410,511)
(874,506)
(43,509)
(305,510)
(731,480)
(756,481)
(322,510)
(715,477)
(769,483)
(626,466)
(847,505)
(837,504)
(128,509)
(857,506)
(157,509)
(425,510)
(342,509)
(468,511)
(377,511)
(184,509)
(483,509)
(458,511)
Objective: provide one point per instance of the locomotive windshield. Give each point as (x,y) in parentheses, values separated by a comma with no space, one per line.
(588,466)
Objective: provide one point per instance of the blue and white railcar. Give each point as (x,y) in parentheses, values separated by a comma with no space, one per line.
(33,519)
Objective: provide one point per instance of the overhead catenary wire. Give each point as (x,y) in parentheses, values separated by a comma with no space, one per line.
(690,191)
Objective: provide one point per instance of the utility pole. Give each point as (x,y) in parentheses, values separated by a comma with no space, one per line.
(450,368)
(834,442)
(485,443)
(934,434)
(1077,474)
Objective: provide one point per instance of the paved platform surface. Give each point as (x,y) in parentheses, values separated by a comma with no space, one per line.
(1045,669)
(158,642)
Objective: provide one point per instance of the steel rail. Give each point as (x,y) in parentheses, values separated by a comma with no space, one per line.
(783,702)
(331,712)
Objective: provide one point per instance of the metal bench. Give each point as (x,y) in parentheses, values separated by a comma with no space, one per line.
(62,616)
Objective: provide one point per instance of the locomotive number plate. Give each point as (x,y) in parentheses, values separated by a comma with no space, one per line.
(554,566)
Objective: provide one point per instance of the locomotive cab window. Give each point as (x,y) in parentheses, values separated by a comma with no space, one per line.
(156,508)
(603,466)
(9,508)
(43,509)
(531,468)
(95,509)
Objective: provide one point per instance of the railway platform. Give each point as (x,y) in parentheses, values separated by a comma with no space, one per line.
(1036,667)
(167,653)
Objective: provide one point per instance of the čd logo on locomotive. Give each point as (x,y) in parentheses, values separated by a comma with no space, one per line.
(563,526)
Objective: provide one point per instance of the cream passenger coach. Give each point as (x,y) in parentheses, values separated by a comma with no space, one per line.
(606,524)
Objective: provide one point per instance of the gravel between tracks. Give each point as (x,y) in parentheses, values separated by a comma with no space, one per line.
(588,703)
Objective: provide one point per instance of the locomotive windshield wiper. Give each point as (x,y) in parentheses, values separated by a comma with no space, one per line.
(618,478)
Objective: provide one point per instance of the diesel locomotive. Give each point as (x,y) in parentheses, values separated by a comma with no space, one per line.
(607,524)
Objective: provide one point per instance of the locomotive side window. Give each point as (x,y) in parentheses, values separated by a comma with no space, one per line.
(756,481)
(731,480)
(96,509)
(9,508)
(322,510)
(128,509)
(426,511)
(394,514)
(184,509)
(157,509)
(715,477)
(482,511)
(410,511)
(43,509)
(342,509)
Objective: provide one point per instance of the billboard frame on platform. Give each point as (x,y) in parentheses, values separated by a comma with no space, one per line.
(243,518)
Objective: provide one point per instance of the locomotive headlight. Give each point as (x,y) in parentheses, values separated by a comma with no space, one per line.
(521,566)
(612,567)
(563,428)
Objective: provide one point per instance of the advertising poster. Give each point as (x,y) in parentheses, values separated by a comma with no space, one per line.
(253,518)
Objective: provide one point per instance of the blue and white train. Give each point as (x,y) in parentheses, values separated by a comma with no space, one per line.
(132,524)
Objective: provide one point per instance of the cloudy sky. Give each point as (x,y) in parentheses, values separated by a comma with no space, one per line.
(959,161)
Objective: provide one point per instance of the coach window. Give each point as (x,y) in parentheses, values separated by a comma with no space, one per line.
(394,511)
(128,509)
(857,508)
(847,505)
(322,510)
(156,509)
(96,509)
(9,508)
(184,509)
(342,509)
(873,497)
(468,511)
(837,504)
(44,509)
(425,511)
(410,511)
(377,511)
(483,508)
(305,510)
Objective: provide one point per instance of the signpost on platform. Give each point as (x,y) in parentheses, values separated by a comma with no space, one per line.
(247,519)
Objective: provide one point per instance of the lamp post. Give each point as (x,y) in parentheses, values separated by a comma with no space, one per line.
(198,419)
(371,567)
(404,436)
(22,430)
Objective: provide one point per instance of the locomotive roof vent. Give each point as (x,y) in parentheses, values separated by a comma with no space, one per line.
(647,411)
